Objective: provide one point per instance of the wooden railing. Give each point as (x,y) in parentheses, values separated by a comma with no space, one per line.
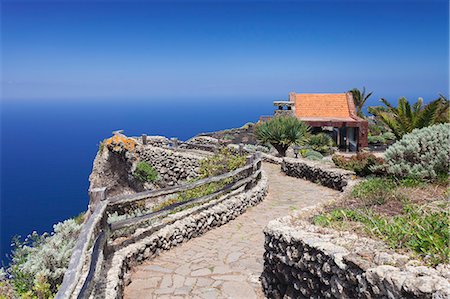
(92,244)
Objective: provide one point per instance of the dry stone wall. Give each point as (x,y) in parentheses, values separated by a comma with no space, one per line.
(318,172)
(173,167)
(306,261)
(177,228)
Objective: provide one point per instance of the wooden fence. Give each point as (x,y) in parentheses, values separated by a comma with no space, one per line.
(92,246)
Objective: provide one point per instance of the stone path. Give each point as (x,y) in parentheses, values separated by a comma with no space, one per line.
(225,262)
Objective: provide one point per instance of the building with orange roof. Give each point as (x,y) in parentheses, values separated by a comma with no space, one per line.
(333,112)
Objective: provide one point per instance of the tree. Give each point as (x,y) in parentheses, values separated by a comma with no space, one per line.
(406,117)
(360,98)
(281,132)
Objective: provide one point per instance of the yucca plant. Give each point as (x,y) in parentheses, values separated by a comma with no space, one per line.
(360,98)
(406,117)
(281,132)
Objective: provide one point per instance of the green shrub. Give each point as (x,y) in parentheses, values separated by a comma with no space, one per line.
(311,154)
(389,136)
(362,164)
(420,229)
(376,139)
(281,132)
(145,172)
(424,153)
(222,162)
(253,148)
(228,137)
(322,143)
(38,264)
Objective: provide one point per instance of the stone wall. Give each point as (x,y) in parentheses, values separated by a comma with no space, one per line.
(306,261)
(172,166)
(176,228)
(318,172)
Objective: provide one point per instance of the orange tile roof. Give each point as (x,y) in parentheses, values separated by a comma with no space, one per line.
(334,106)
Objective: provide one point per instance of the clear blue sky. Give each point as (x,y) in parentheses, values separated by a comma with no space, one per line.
(60,50)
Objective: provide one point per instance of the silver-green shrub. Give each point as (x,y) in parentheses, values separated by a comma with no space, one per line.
(41,261)
(423,153)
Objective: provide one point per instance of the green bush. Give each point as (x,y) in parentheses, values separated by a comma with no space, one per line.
(145,172)
(376,139)
(424,153)
(362,164)
(311,154)
(222,162)
(281,132)
(322,143)
(420,229)
(38,264)
(254,148)
(389,136)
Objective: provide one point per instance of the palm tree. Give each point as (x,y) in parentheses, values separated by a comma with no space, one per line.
(406,117)
(360,98)
(281,132)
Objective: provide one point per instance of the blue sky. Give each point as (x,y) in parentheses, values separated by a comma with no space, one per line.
(75,50)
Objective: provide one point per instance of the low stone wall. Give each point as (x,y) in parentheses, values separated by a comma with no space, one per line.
(172,166)
(306,261)
(271,158)
(178,228)
(318,172)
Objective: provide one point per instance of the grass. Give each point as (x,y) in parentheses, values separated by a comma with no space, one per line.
(406,214)
(423,230)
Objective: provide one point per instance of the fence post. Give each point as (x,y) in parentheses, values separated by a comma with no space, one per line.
(144,139)
(96,195)
(174,143)
(241,148)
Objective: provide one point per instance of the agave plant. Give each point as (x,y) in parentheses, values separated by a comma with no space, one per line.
(281,132)
(406,117)
(360,98)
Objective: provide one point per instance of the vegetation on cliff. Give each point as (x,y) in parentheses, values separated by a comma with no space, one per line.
(39,262)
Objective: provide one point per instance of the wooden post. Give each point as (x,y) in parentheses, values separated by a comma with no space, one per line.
(347,140)
(249,161)
(241,148)
(174,143)
(96,195)
(144,139)
(338,137)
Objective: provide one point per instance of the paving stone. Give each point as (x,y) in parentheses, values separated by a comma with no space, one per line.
(237,290)
(166,281)
(204,282)
(190,281)
(201,272)
(233,257)
(155,268)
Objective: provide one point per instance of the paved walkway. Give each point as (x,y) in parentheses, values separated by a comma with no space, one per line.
(225,262)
